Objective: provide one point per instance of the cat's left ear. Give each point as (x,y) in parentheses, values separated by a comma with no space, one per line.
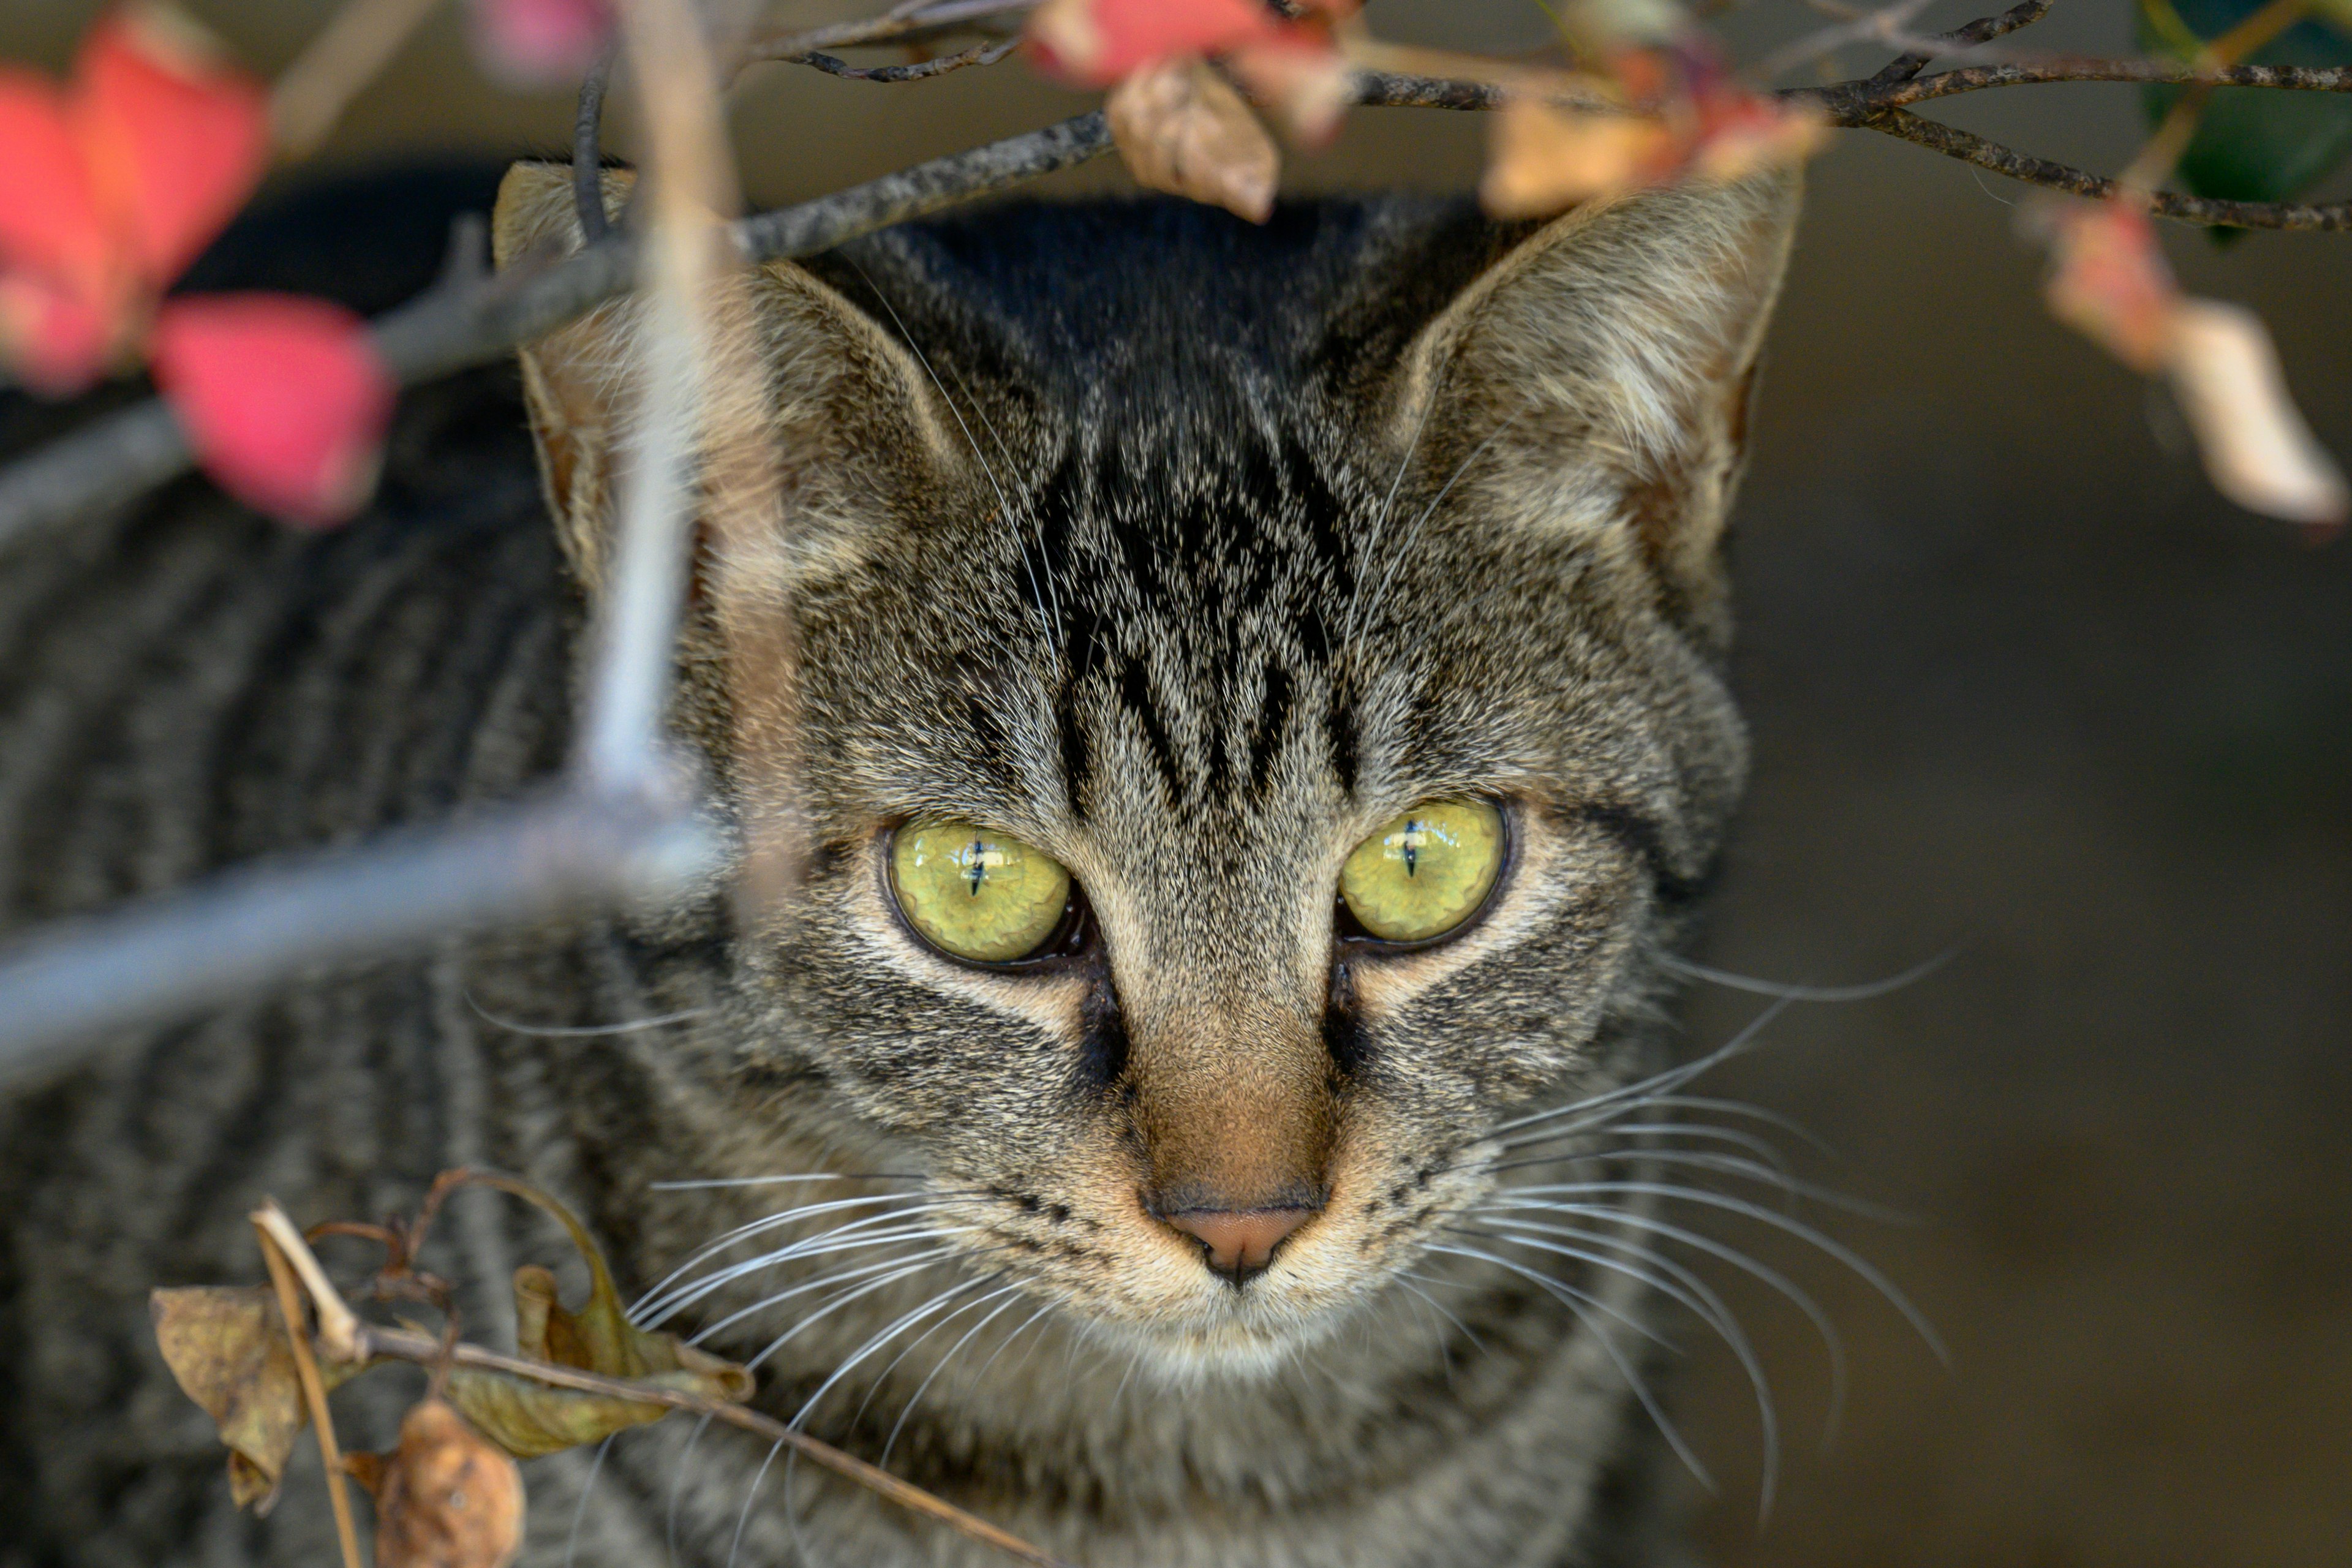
(1595,381)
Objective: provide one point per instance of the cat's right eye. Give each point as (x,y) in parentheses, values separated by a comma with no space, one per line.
(976,893)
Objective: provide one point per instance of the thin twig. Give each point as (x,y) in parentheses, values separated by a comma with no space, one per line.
(902,25)
(1971,148)
(407,1344)
(122,455)
(248,929)
(978,55)
(1983,30)
(338,1326)
(314,1387)
(587,155)
(344,57)
(1976,79)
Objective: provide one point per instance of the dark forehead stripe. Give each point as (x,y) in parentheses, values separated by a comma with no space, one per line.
(1226,560)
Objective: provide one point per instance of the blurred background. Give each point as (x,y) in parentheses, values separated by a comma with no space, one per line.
(2022,688)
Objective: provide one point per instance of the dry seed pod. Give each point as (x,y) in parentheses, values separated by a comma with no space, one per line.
(449,1498)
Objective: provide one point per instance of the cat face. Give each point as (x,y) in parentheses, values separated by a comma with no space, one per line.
(1254,704)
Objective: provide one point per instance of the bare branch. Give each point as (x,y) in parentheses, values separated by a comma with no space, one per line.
(117,458)
(978,55)
(1983,30)
(407,1344)
(1974,149)
(903,24)
(587,155)
(257,926)
(1975,78)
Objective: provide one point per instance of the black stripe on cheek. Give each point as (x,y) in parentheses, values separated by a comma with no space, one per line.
(1344,1038)
(1640,836)
(1102,1035)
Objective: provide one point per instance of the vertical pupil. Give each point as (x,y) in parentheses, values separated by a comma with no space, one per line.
(978,864)
(1411,844)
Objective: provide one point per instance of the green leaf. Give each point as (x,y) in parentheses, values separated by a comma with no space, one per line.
(528,1419)
(2253,145)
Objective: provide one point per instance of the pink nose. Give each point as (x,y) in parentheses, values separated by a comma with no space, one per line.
(1239,1243)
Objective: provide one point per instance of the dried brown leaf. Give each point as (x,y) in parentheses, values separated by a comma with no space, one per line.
(448,1496)
(1309,85)
(1182,128)
(1545,159)
(528,1419)
(2257,451)
(227,1345)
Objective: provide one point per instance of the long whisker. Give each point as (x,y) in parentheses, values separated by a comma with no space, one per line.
(1568,1296)
(1862,992)
(712,1283)
(1693,1294)
(773,1181)
(881,1337)
(1408,1276)
(1695,1131)
(1796,1228)
(1405,545)
(1726,1164)
(582,1031)
(1501,1213)
(773,1222)
(580,1508)
(1672,1079)
(924,1387)
(871,1230)
(891,1271)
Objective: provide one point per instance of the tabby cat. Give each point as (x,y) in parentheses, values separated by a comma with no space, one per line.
(1259,729)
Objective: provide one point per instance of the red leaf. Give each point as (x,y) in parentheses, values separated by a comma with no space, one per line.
(536,42)
(49,215)
(174,137)
(283,398)
(1095,43)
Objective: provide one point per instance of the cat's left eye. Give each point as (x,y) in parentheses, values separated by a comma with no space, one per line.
(1426,871)
(976,893)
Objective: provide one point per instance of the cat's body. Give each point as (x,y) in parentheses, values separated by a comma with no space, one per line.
(1108,573)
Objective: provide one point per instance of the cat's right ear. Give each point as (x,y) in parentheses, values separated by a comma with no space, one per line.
(855,424)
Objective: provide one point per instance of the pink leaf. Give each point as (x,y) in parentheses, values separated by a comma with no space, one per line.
(541,42)
(57,339)
(283,398)
(1095,43)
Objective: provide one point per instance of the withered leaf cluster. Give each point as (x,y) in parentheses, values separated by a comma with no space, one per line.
(449,1494)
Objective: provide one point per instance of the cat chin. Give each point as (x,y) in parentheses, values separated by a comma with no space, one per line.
(1245,1344)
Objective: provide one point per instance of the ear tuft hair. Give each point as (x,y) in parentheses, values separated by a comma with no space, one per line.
(1599,374)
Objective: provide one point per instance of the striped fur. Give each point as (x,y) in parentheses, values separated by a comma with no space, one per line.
(1188,552)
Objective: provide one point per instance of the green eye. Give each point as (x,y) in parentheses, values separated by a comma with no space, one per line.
(1426,872)
(975,893)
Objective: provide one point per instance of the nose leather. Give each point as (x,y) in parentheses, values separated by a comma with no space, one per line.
(1240,1244)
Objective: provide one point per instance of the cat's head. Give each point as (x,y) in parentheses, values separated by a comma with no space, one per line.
(1256,702)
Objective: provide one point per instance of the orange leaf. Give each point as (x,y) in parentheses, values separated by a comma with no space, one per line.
(537,42)
(1181,127)
(174,137)
(1545,159)
(446,1497)
(2257,451)
(62,286)
(2110,280)
(1095,43)
(283,398)
(1741,132)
